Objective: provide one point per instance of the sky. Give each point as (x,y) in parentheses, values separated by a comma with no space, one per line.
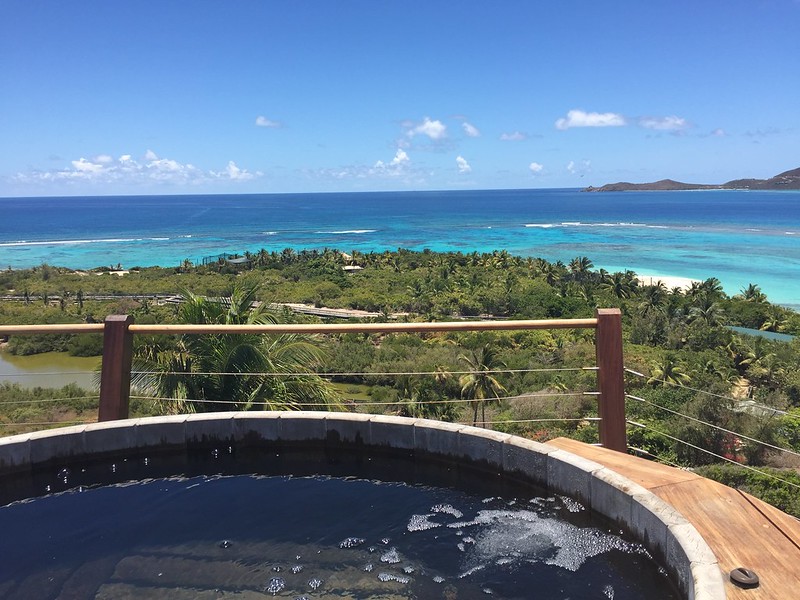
(274,96)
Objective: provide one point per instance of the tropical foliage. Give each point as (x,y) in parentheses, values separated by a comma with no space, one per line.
(203,373)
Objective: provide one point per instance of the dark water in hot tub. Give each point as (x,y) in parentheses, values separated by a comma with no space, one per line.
(261,536)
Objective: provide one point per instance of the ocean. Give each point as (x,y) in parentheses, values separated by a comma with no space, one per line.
(740,237)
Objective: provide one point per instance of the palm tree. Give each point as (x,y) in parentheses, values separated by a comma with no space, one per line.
(654,298)
(205,373)
(753,293)
(706,309)
(668,371)
(580,267)
(710,288)
(618,284)
(775,320)
(480,384)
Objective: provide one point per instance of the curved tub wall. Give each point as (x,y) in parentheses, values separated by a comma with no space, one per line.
(654,522)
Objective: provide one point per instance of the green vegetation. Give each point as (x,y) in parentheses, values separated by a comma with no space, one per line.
(682,355)
(201,373)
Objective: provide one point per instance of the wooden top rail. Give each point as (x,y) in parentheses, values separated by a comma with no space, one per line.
(366,327)
(59,328)
(307,328)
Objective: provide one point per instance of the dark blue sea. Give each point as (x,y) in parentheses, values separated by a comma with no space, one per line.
(740,237)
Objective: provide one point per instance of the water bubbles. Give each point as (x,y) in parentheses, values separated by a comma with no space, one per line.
(368,567)
(314,583)
(571,505)
(277,568)
(609,592)
(408,569)
(301,598)
(113,467)
(392,577)
(215,453)
(421,523)
(297,569)
(438,579)
(63,475)
(275,585)
(385,541)
(351,542)
(225,544)
(391,556)
(447,509)
(146,462)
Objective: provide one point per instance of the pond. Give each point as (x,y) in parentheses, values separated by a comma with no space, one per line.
(50,369)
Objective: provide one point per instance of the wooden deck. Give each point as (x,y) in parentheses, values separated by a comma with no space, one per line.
(741,530)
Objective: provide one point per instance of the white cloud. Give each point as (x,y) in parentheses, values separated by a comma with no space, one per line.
(394,168)
(579,168)
(536,167)
(263,121)
(470,129)
(435,130)
(84,166)
(668,123)
(129,171)
(463,165)
(719,132)
(399,169)
(400,157)
(516,136)
(234,173)
(579,118)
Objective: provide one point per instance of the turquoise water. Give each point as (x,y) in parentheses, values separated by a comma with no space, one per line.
(740,237)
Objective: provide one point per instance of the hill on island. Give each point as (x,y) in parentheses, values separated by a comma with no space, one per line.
(788,180)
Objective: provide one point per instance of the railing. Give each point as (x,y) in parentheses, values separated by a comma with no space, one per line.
(118,332)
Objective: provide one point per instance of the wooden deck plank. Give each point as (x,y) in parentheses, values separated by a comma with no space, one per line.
(741,530)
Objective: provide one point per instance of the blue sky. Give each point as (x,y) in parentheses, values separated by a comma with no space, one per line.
(249,96)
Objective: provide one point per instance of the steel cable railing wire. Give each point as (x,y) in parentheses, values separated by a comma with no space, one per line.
(403,401)
(365,373)
(44,373)
(42,423)
(684,386)
(700,421)
(707,424)
(45,400)
(714,454)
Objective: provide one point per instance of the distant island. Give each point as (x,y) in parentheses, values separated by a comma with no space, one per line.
(788,180)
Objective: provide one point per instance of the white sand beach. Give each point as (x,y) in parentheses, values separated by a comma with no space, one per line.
(668,280)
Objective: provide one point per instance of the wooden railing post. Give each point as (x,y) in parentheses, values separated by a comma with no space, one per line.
(610,379)
(115,382)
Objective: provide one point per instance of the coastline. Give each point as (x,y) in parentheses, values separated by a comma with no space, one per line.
(700,235)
